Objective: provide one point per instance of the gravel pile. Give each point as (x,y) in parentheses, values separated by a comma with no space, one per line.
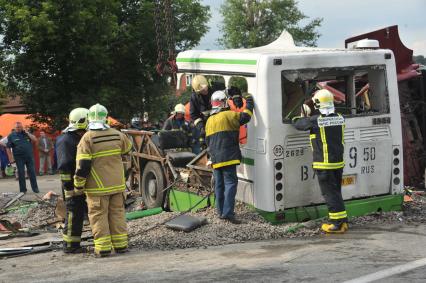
(219,232)
(413,212)
(149,233)
(216,232)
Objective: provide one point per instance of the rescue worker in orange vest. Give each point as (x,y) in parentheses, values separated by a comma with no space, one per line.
(327,142)
(76,207)
(222,137)
(100,174)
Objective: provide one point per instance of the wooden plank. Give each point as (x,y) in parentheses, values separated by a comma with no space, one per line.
(38,240)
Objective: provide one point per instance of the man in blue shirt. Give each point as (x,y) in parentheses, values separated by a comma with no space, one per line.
(20,142)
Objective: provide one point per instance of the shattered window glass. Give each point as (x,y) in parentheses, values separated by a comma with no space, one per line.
(358,91)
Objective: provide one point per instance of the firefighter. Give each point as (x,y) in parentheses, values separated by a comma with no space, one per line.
(75,202)
(327,142)
(222,137)
(100,174)
(177,120)
(199,107)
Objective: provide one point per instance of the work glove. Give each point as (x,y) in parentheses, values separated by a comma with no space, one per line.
(78,191)
(235,94)
(295,118)
(238,101)
(305,111)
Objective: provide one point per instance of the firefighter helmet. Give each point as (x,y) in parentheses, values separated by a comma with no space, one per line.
(218,100)
(98,114)
(323,99)
(135,122)
(199,83)
(180,108)
(78,119)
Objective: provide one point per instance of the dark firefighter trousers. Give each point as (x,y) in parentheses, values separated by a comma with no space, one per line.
(330,182)
(76,208)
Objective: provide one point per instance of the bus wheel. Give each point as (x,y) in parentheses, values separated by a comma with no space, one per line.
(152,185)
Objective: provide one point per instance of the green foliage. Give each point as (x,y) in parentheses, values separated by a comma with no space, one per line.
(253,23)
(239,82)
(420,59)
(64,54)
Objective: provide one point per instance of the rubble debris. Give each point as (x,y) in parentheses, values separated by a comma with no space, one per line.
(60,209)
(13,200)
(215,232)
(49,195)
(37,240)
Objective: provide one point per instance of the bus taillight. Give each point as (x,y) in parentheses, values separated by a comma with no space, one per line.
(279,183)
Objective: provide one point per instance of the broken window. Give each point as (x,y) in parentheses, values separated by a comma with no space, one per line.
(357,91)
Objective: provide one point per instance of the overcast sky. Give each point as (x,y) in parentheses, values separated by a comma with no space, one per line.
(345,18)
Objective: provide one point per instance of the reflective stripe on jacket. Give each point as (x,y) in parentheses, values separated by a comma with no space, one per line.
(66,151)
(100,170)
(222,135)
(327,139)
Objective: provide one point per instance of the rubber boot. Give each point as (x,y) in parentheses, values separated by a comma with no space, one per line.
(335,228)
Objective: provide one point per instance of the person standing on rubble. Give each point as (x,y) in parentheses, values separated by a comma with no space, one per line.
(100,174)
(327,142)
(75,201)
(222,137)
(21,141)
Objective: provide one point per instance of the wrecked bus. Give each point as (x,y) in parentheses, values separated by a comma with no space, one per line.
(275,175)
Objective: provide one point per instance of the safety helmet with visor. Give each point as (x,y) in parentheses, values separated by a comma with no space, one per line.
(180,108)
(218,101)
(78,119)
(199,83)
(324,101)
(98,117)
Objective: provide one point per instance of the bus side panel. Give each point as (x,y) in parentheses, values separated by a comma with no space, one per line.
(246,170)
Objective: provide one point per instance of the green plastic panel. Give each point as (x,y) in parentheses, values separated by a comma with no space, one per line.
(182,201)
(353,207)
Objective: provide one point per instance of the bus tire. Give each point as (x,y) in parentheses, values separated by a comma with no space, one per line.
(152,185)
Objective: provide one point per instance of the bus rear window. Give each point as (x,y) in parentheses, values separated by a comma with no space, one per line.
(358,91)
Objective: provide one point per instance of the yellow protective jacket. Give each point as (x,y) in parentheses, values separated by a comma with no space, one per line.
(222,135)
(99,169)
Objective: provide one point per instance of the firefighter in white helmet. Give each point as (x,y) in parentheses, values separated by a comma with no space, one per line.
(100,174)
(76,207)
(177,120)
(222,137)
(327,142)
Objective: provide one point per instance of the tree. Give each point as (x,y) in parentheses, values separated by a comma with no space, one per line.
(420,59)
(253,23)
(64,54)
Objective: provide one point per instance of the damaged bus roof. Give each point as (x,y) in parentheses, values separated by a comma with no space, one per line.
(246,60)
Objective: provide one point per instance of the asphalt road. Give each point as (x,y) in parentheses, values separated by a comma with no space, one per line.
(370,254)
(387,253)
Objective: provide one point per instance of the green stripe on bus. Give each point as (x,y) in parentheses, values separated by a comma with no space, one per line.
(248,161)
(217,61)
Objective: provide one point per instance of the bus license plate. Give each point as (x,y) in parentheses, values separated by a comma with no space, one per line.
(348,180)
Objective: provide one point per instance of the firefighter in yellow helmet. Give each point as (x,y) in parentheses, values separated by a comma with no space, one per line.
(327,142)
(200,103)
(76,207)
(100,174)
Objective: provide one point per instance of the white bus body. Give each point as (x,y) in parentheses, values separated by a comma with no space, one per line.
(276,172)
